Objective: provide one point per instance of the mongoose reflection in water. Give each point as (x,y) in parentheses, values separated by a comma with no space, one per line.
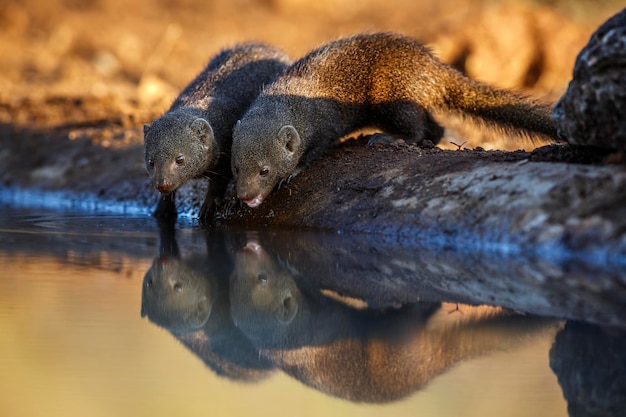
(358,354)
(386,81)
(193,138)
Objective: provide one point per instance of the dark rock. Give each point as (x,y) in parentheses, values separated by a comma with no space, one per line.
(592,110)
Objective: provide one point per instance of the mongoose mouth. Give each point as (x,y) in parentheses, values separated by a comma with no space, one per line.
(253,247)
(164,188)
(254,202)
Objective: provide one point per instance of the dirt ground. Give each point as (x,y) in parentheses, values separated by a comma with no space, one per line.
(78,79)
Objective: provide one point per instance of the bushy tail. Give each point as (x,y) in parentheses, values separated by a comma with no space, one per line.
(503,109)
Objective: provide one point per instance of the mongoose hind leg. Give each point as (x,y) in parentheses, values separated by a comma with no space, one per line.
(409,121)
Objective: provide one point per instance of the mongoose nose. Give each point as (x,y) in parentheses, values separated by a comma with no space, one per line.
(163,187)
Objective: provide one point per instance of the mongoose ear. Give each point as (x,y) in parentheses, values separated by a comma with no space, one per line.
(287,310)
(202,130)
(289,138)
(146,127)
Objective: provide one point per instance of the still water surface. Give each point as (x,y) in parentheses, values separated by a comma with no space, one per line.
(110,316)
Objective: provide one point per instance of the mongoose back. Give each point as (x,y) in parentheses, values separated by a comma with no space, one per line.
(193,138)
(386,81)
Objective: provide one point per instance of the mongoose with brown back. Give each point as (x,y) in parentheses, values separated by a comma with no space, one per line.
(386,81)
(193,138)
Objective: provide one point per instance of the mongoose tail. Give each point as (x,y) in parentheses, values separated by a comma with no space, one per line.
(509,111)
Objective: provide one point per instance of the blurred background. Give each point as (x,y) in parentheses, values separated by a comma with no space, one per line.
(133,58)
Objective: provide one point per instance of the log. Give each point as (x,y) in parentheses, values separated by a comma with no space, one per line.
(512,202)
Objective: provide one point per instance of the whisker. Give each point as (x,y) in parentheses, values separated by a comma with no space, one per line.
(217,174)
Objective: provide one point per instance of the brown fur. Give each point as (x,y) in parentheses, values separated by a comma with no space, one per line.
(386,81)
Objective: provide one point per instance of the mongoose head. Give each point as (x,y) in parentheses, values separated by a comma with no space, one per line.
(175,295)
(264,152)
(177,147)
(263,294)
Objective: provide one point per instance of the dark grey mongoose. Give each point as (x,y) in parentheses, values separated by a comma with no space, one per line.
(193,138)
(384,80)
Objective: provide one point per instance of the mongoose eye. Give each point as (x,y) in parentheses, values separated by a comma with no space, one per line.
(262,278)
(180,159)
(178,287)
(264,171)
(150,163)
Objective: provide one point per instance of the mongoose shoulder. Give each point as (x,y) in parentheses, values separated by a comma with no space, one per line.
(193,138)
(386,81)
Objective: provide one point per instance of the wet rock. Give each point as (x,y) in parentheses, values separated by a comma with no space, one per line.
(591,112)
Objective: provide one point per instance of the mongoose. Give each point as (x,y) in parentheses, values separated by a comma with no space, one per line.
(193,138)
(384,80)
(360,355)
(187,294)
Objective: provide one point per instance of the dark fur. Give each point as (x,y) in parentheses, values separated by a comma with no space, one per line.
(386,81)
(193,138)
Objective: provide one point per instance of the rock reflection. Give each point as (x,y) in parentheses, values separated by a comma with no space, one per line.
(189,297)
(383,270)
(590,365)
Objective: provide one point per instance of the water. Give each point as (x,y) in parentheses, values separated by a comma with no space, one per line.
(114,316)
